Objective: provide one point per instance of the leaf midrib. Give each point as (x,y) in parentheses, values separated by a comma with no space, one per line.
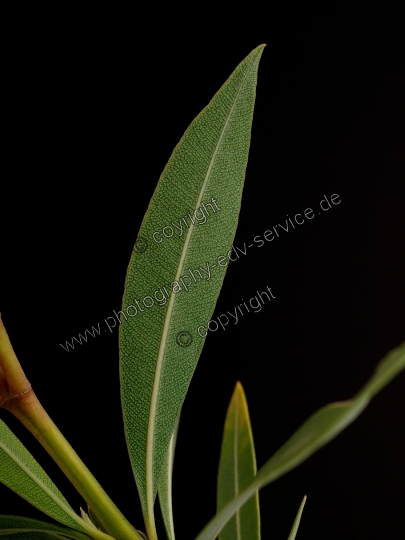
(236,464)
(169,484)
(156,383)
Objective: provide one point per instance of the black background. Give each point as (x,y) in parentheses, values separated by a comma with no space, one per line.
(96,103)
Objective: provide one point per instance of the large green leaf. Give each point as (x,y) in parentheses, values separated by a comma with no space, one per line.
(21,473)
(22,528)
(237,468)
(173,282)
(165,485)
(318,430)
(297,521)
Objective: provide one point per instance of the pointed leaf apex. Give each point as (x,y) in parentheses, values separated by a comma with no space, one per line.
(239,394)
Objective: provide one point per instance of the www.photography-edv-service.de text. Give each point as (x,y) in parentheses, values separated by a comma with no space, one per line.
(160,296)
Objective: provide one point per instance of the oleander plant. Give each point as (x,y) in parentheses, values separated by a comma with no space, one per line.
(159,351)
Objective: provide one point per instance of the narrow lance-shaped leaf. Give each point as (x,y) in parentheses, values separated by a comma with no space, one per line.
(317,431)
(20,472)
(35,535)
(297,521)
(176,272)
(165,485)
(237,468)
(22,528)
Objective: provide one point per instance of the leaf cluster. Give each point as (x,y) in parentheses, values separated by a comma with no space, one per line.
(171,290)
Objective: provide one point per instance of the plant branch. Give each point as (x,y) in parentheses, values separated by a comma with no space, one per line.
(17,396)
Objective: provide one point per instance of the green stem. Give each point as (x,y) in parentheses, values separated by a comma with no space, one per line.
(31,413)
(23,403)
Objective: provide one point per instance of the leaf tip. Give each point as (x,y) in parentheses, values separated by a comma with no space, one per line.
(239,393)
